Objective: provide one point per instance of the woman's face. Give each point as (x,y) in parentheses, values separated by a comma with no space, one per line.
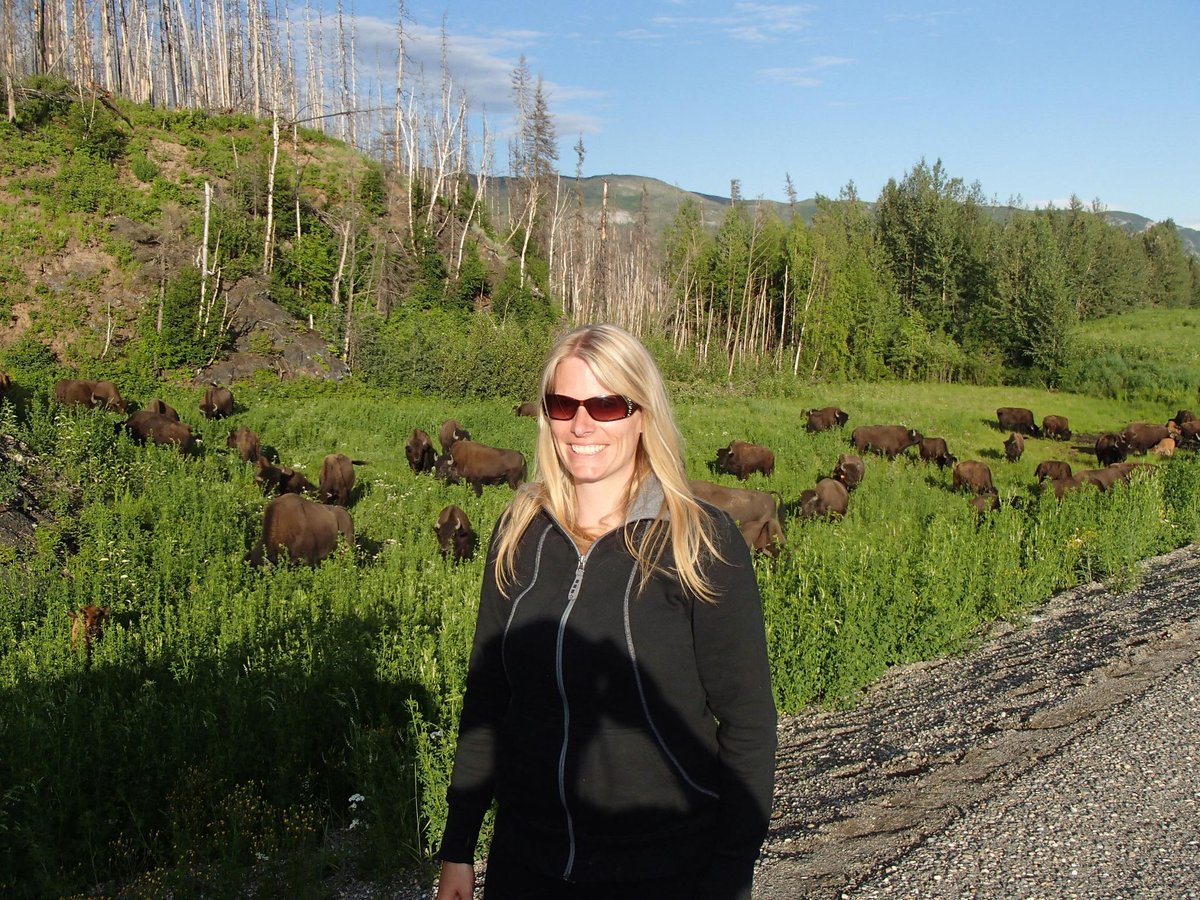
(598,453)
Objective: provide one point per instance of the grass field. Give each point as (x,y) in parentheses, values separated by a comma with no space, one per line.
(229,715)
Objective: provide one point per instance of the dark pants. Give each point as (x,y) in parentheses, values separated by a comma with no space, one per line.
(510,879)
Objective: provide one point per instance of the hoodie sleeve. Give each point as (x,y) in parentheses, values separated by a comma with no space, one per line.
(485,701)
(731,652)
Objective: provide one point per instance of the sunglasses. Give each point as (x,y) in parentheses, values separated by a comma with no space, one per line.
(603,409)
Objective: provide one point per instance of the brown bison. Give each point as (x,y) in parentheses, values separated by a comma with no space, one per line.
(1189,434)
(308,531)
(742,459)
(337,478)
(763,536)
(934,450)
(1141,436)
(1014,446)
(1111,448)
(828,499)
(974,476)
(1056,427)
(454,533)
(1052,469)
(246,443)
(5,382)
(419,451)
(529,408)
(280,479)
(92,394)
(451,433)
(1019,419)
(825,418)
(742,504)
(87,625)
(163,409)
(984,503)
(1165,447)
(1184,415)
(145,426)
(886,439)
(478,464)
(217,403)
(849,470)
(1070,483)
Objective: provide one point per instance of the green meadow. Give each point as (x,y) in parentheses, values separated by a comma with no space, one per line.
(230,716)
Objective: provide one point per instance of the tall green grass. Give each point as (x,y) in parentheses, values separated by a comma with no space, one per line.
(230,714)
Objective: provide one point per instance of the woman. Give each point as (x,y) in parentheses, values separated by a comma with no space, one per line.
(618,704)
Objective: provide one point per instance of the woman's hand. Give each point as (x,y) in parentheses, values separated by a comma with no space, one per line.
(457,881)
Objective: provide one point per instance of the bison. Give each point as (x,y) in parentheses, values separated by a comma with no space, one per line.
(479,464)
(454,533)
(985,503)
(849,470)
(5,382)
(763,536)
(1069,483)
(1165,447)
(828,499)
(145,425)
(886,439)
(217,403)
(87,625)
(742,504)
(1014,446)
(1189,434)
(1111,448)
(91,394)
(450,433)
(163,409)
(337,479)
(934,450)
(1019,419)
(246,443)
(974,476)
(742,459)
(1056,427)
(1182,416)
(529,408)
(825,418)
(280,479)
(419,451)
(1052,469)
(308,531)
(1141,436)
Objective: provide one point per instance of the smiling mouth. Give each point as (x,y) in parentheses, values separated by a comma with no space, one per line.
(586,449)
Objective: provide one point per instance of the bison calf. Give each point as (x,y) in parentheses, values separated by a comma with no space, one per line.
(455,534)
(87,625)
(307,531)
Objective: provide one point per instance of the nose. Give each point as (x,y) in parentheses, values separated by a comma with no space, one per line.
(582,423)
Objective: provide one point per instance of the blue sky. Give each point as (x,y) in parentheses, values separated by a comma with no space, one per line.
(1035,101)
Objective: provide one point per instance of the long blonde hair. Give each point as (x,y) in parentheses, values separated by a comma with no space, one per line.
(624,366)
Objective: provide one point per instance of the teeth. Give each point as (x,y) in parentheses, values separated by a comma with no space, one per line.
(587,449)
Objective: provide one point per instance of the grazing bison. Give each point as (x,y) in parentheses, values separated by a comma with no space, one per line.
(87,625)
(217,403)
(454,534)
(1014,446)
(308,531)
(829,499)
(934,450)
(246,443)
(1108,476)
(1184,415)
(92,394)
(743,459)
(450,433)
(1141,436)
(984,503)
(1165,447)
(886,439)
(281,480)
(337,479)
(145,426)
(849,470)
(419,451)
(1052,469)
(1056,427)
(742,504)
(763,536)
(163,409)
(1019,419)
(529,408)
(825,418)
(479,464)
(1069,483)
(1111,448)
(974,476)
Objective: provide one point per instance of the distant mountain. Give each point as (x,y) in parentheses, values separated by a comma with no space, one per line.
(662,201)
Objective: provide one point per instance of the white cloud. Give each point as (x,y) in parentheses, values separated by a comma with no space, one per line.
(749,22)
(794,77)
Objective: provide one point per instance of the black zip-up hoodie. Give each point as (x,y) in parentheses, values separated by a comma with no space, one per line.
(624,734)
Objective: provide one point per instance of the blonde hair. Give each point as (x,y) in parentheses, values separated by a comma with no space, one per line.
(624,366)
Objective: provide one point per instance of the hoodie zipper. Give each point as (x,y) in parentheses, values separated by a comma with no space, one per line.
(572,594)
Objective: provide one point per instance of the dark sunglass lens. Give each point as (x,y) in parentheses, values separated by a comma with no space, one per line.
(559,406)
(606,409)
